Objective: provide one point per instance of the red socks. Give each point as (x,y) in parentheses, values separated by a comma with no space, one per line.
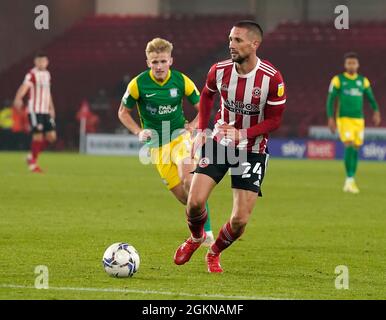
(37,147)
(196,224)
(225,238)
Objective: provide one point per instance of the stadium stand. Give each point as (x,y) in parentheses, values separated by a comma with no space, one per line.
(95,54)
(310,54)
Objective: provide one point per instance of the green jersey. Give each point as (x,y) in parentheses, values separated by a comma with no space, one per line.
(350,90)
(160,104)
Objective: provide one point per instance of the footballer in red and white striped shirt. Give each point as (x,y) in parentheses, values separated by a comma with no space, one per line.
(41,111)
(252,94)
(245,98)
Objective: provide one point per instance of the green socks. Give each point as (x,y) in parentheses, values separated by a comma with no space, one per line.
(350,161)
(207,226)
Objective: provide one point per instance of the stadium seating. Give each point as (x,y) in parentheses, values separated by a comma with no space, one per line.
(99,50)
(310,54)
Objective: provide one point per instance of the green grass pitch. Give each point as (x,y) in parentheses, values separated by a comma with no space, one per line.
(301,229)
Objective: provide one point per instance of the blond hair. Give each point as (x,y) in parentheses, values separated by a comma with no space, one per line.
(158,45)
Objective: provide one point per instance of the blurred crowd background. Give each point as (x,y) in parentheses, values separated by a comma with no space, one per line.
(96,46)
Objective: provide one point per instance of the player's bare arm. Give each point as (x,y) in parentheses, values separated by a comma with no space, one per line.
(20,94)
(192,125)
(128,121)
(377,118)
(332,124)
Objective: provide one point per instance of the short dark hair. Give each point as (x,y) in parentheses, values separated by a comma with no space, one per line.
(40,54)
(350,55)
(251,26)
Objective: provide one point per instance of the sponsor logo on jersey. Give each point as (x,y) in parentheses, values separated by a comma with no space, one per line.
(280,89)
(166,109)
(242,108)
(150,95)
(174,92)
(151,110)
(256,92)
(354,92)
(204,162)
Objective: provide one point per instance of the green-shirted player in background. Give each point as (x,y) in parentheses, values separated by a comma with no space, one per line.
(349,87)
(158,94)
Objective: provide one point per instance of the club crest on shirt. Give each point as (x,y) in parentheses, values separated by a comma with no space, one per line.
(204,162)
(256,92)
(280,89)
(174,92)
(224,87)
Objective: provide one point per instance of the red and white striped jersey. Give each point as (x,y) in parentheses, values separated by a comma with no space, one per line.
(245,97)
(39,83)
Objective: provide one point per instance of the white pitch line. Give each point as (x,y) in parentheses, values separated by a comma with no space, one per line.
(165,293)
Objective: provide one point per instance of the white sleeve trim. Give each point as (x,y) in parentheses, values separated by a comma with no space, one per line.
(210,88)
(275,103)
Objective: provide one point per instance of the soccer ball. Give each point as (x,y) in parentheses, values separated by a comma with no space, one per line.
(121,260)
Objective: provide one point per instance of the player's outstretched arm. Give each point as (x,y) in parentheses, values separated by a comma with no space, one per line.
(21,92)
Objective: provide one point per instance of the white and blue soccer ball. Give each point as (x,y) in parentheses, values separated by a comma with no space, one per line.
(121,260)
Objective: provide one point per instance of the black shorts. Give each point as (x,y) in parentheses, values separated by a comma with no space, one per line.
(247,169)
(41,122)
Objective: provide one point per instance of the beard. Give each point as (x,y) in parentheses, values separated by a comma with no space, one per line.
(239,59)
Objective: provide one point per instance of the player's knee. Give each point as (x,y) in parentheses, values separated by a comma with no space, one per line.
(195,205)
(37,137)
(51,139)
(238,222)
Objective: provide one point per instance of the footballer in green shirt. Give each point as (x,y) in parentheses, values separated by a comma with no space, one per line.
(157,93)
(349,88)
